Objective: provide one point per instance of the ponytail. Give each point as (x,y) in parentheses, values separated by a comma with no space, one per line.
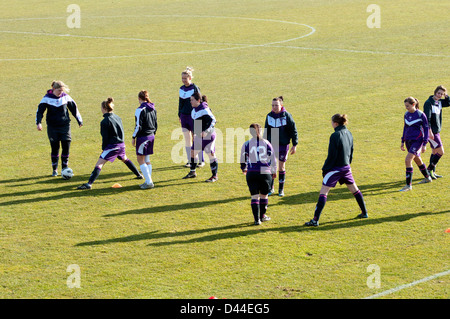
(413,101)
(143,95)
(340,119)
(108,105)
(255,131)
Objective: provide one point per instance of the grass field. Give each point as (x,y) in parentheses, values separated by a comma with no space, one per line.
(189,239)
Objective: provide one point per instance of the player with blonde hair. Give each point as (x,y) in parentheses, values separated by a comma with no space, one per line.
(58,104)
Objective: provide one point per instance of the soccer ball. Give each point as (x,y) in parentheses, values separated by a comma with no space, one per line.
(67,173)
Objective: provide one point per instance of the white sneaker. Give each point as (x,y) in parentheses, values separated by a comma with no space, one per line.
(147,186)
(406,188)
(425,180)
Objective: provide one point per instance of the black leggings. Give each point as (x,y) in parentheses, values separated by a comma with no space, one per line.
(65,145)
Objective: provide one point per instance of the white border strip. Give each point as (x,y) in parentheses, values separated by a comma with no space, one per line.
(390,291)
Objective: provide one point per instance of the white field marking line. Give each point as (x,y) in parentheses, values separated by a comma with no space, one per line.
(239,45)
(390,291)
(171,16)
(362,51)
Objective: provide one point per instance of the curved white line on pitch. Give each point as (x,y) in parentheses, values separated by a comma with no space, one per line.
(237,45)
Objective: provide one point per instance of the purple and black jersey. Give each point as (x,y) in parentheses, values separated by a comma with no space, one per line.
(257,155)
(203,119)
(146,121)
(57,110)
(184,104)
(416,127)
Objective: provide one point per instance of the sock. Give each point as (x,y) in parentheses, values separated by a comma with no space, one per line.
(409,175)
(319,207)
(150,172)
(54,154)
(203,157)
(193,164)
(132,168)
(281,179)
(263,202)
(55,159)
(434,159)
(271,184)
(94,175)
(64,161)
(188,153)
(424,171)
(65,154)
(214,167)
(146,173)
(255,208)
(360,199)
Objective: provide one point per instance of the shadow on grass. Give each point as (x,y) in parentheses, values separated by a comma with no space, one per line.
(247,229)
(60,185)
(341,192)
(174,207)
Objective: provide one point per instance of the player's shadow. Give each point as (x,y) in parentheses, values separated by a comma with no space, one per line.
(175,207)
(246,229)
(341,192)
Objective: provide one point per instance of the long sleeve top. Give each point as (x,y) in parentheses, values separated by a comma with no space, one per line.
(57,110)
(433,112)
(340,149)
(184,103)
(257,155)
(111,129)
(146,120)
(202,115)
(415,127)
(284,123)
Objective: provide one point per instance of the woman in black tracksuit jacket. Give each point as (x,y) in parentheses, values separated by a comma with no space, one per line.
(58,103)
(280,130)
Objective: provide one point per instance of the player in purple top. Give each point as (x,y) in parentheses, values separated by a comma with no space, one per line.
(415,138)
(337,168)
(113,145)
(58,103)
(144,136)
(184,111)
(204,138)
(259,164)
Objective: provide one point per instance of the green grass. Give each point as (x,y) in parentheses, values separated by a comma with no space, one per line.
(189,239)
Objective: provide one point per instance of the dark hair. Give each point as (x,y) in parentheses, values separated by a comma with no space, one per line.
(198,97)
(255,130)
(413,101)
(440,87)
(341,119)
(280,99)
(143,95)
(108,104)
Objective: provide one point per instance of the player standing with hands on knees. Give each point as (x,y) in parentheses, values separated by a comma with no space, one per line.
(280,129)
(58,103)
(259,164)
(113,145)
(144,136)
(415,138)
(204,138)
(337,168)
(433,111)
